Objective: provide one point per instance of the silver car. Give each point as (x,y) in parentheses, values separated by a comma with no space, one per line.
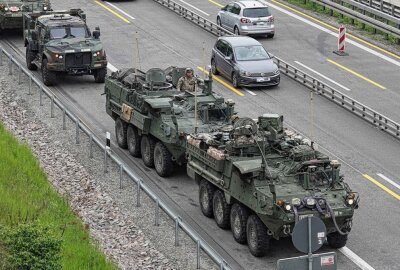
(247,18)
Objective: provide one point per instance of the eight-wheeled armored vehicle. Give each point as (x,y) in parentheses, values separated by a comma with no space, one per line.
(152,118)
(259,180)
(61,42)
(11,11)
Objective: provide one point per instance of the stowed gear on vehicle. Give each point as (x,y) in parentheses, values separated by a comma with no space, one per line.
(60,42)
(259,180)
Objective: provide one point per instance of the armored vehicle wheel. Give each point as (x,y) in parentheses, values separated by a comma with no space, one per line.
(257,237)
(147,150)
(100,75)
(30,56)
(206,192)
(49,77)
(120,132)
(214,67)
(133,140)
(221,210)
(163,160)
(336,240)
(238,218)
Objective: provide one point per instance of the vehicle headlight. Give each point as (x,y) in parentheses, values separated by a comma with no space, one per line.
(245,73)
(288,207)
(296,201)
(44,8)
(350,201)
(310,201)
(276,72)
(6,9)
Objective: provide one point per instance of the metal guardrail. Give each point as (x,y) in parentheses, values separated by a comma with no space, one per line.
(357,108)
(382,6)
(141,186)
(354,14)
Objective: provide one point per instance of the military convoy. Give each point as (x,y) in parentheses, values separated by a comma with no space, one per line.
(11,11)
(152,118)
(259,180)
(60,42)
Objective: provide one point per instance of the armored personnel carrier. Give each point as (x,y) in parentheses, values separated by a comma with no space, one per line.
(60,42)
(11,11)
(152,118)
(259,180)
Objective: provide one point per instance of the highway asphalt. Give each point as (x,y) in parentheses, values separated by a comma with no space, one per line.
(166,39)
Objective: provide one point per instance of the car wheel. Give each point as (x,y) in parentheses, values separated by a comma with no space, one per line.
(49,77)
(147,150)
(214,67)
(270,35)
(236,31)
(221,210)
(30,57)
(206,194)
(258,239)
(163,160)
(336,240)
(100,75)
(235,80)
(133,140)
(238,219)
(219,21)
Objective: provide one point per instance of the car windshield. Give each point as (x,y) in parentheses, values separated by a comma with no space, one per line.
(251,53)
(63,32)
(256,12)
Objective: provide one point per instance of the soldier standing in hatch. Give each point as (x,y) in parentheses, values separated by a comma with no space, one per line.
(187,82)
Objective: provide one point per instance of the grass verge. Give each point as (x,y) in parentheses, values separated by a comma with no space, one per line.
(26,197)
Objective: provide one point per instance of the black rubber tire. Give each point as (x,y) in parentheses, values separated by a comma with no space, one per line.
(235,79)
(238,218)
(100,75)
(30,56)
(219,23)
(258,240)
(206,193)
(147,150)
(133,141)
(163,160)
(221,210)
(236,31)
(214,67)
(336,240)
(49,77)
(121,129)
(270,35)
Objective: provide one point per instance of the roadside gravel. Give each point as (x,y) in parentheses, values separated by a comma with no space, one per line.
(124,232)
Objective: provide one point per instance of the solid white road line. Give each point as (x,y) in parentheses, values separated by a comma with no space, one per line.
(186,3)
(356,259)
(120,10)
(323,76)
(348,40)
(111,67)
(250,92)
(388,180)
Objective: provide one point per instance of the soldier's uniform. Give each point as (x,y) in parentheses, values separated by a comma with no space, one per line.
(186,83)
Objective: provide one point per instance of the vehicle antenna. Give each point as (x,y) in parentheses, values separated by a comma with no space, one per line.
(312,118)
(137,54)
(204,60)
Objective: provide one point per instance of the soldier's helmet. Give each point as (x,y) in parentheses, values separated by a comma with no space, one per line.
(234,118)
(187,70)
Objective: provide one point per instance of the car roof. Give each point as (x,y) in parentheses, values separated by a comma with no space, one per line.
(237,41)
(60,19)
(250,4)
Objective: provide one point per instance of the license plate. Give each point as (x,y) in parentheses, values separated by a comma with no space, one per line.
(263,79)
(260,23)
(85,50)
(305,216)
(69,51)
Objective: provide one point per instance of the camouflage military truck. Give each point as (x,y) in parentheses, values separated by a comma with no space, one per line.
(152,118)
(61,42)
(11,11)
(259,180)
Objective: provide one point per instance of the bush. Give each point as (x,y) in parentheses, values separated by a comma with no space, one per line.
(30,247)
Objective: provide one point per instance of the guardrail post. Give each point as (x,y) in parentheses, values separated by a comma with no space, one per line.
(353,104)
(64,126)
(121,174)
(221,265)
(105,159)
(295,73)
(157,213)
(30,85)
(10,66)
(198,254)
(77,131)
(176,231)
(398,129)
(363,114)
(52,107)
(91,146)
(343,100)
(139,186)
(19,74)
(1,56)
(40,96)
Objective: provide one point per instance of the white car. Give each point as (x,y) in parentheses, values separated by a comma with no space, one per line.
(247,18)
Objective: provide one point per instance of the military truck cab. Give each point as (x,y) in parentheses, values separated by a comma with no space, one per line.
(61,42)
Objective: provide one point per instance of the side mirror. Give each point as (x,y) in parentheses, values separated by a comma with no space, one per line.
(228,58)
(96,33)
(34,35)
(271,55)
